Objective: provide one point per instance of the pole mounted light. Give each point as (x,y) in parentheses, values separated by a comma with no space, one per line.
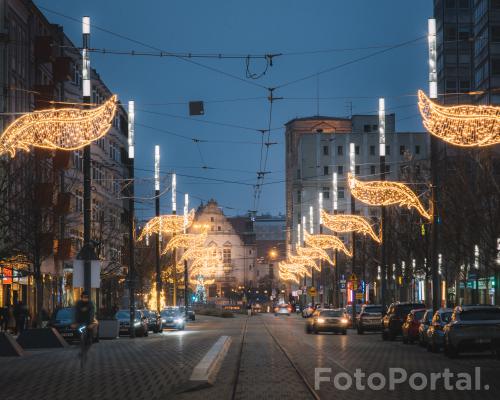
(433,90)
(298,235)
(186,210)
(304,229)
(85,57)
(381,126)
(335,192)
(157,167)
(131,128)
(174,193)
(352,158)
(311,220)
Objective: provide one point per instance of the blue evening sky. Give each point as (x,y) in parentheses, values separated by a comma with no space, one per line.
(164,85)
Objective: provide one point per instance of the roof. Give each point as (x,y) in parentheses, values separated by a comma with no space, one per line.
(317,118)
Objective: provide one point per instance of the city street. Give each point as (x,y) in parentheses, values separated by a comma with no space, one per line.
(277,360)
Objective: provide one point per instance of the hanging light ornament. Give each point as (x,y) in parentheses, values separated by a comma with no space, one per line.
(293,268)
(303,260)
(166,224)
(386,193)
(327,242)
(185,241)
(343,223)
(316,253)
(466,125)
(58,129)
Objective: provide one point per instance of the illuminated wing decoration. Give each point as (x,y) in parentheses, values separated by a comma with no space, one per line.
(64,129)
(304,261)
(315,253)
(344,223)
(286,274)
(185,241)
(325,242)
(386,193)
(465,125)
(166,225)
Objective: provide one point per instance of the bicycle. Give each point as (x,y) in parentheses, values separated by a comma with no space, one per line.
(85,343)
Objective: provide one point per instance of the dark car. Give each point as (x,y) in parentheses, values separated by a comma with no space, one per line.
(140,323)
(473,328)
(369,318)
(153,320)
(328,321)
(424,326)
(392,321)
(190,313)
(435,333)
(410,326)
(63,321)
(173,318)
(349,314)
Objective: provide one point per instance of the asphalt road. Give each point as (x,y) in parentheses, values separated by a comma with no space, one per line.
(269,358)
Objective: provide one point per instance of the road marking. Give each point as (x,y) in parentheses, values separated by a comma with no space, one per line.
(206,370)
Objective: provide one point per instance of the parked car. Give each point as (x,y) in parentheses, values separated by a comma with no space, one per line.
(190,314)
(393,320)
(63,320)
(435,333)
(173,318)
(327,320)
(409,329)
(153,320)
(370,318)
(349,314)
(475,328)
(140,323)
(282,309)
(425,322)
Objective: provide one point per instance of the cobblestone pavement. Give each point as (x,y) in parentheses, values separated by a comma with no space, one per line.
(158,367)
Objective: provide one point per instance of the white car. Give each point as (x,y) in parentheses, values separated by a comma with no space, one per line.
(282,309)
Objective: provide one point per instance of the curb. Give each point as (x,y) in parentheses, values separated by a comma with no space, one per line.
(206,370)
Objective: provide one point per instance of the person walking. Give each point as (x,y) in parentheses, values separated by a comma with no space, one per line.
(11,321)
(20,316)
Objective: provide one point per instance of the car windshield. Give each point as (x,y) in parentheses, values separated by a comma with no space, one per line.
(332,313)
(125,314)
(373,310)
(481,315)
(405,309)
(65,314)
(169,313)
(446,317)
(358,308)
(419,315)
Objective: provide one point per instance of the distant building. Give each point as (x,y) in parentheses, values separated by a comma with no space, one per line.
(235,237)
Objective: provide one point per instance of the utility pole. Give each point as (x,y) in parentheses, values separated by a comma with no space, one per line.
(158,234)
(321,272)
(186,275)
(174,255)
(383,255)
(336,287)
(311,231)
(352,167)
(131,221)
(434,169)
(87,252)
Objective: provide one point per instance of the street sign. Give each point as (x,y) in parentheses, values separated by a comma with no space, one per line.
(312,291)
(299,292)
(359,296)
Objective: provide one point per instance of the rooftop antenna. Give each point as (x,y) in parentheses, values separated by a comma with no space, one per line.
(317,95)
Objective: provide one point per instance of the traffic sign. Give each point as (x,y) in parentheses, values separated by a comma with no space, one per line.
(359,296)
(312,291)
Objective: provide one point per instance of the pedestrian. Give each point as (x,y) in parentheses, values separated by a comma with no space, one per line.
(20,315)
(3,319)
(11,321)
(249,309)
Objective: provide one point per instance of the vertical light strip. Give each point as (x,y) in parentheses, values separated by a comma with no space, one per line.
(186,210)
(440,263)
(298,236)
(433,92)
(320,206)
(86,58)
(311,220)
(381,126)
(157,167)
(174,193)
(131,128)
(476,256)
(352,158)
(335,192)
(304,228)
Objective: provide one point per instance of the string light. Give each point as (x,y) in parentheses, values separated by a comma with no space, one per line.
(166,224)
(384,193)
(465,126)
(344,223)
(327,242)
(304,261)
(58,129)
(185,240)
(315,253)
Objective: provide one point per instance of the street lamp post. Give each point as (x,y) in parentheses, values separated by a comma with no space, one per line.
(186,275)
(174,253)
(383,256)
(321,272)
(335,210)
(352,168)
(131,222)
(157,237)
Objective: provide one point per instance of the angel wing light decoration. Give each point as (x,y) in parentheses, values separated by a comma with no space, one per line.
(344,223)
(166,224)
(326,242)
(315,253)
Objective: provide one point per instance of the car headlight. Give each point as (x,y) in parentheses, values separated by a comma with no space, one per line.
(164,320)
(136,324)
(179,320)
(344,321)
(321,320)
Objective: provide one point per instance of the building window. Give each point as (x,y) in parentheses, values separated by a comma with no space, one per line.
(402,150)
(495,66)
(367,128)
(340,150)
(450,33)
(356,150)
(298,173)
(226,255)
(374,128)
(357,170)
(464,86)
(325,170)
(451,86)
(340,170)
(219,228)
(326,192)
(387,169)
(325,150)
(388,150)
(78,201)
(417,149)
(372,150)
(212,219)
(340,192)
(299,196)
(495,33)
(373,170)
